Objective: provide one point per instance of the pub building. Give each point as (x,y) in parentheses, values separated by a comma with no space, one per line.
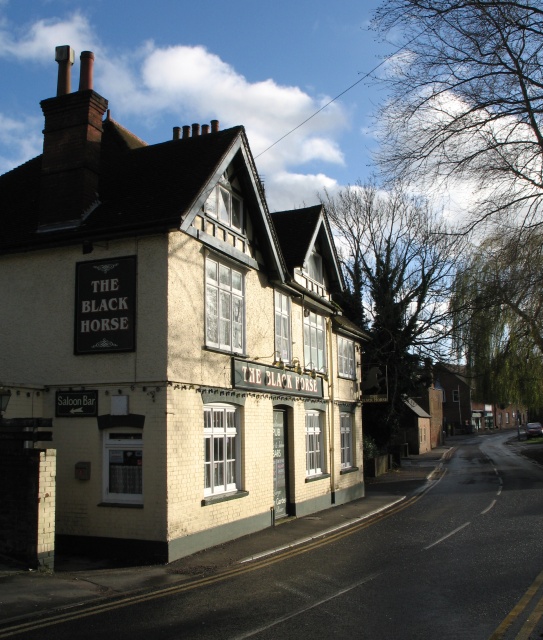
(183,339)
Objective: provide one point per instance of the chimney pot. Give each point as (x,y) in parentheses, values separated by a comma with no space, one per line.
(195,129)
(86,69)
(205,129)
(176,133)
(214,126)
(186,131)
(65,57)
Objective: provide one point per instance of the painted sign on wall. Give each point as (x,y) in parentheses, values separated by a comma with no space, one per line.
(105,306)
(259,377)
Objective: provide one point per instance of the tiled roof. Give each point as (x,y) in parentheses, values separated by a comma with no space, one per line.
(142,187)
(341,322)
(295,230)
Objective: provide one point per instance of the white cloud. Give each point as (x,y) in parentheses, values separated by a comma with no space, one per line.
(20,140)
(186,84)
(37,41)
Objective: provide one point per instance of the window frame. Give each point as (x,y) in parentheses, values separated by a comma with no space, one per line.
(314,444)
(455,395)
(282,325)
(346,437)
(217,292)
(220,205)
(346,361)
(127,441)
(214,434)
(312,332)
(314,267)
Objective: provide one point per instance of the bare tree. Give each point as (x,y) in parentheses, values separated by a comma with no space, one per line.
(467,99)
(400,259)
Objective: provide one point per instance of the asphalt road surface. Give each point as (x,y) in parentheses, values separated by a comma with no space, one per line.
(462,559)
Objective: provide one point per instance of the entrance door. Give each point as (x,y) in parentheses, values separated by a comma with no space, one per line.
(280,464)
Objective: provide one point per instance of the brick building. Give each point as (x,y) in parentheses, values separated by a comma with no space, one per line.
(183,339)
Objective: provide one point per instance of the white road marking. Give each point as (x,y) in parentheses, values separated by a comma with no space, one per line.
(447,536)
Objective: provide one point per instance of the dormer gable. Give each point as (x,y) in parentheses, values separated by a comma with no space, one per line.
(310,254)
(230,213)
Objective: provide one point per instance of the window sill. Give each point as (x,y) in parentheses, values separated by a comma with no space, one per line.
(236,354)
(121,505)
(344,376)
(320,476)
(223,497)
(348,470)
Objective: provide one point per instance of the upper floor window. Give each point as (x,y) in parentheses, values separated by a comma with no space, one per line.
(314,342)
(225,313)
(455,395)
(314,267)
(282,327)
(224,205)
(345,354)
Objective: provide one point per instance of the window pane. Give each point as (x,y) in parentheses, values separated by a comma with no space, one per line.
(211,270)
(224,208)
(125,471)
(210,206)
(236,212)
(212,315)
(225,319)
(237,280)
(225,275)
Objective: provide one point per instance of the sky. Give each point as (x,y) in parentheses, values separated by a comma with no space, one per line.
(164,63)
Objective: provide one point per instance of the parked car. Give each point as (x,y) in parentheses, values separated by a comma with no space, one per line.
(534,430)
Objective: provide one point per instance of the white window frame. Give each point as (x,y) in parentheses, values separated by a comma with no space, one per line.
(314,268)
(225,206)
(283,341)
(346,434)
(224,306)
(346,357)
(121,441)
(314,444)
(455,395)
(221,449)
(314,342)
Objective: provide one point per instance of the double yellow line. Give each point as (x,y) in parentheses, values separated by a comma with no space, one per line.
(109,605)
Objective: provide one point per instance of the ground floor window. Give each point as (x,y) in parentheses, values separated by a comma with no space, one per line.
(221,449)
(313,443)
(346,430)
(123,467)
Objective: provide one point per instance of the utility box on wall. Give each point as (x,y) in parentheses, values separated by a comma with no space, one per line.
(82,470)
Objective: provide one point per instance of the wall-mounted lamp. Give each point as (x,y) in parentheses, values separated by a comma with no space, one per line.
(5,395)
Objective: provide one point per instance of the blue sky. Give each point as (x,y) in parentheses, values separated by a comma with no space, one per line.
(267,66)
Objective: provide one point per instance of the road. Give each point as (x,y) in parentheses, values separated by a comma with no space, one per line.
(463,559)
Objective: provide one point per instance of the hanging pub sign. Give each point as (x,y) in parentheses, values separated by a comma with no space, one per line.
(259,377)
(105,306)
(374,383)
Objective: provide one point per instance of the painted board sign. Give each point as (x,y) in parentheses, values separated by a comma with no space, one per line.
(105,306)
(76,404)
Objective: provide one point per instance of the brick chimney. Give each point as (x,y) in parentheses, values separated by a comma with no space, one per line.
(71,146)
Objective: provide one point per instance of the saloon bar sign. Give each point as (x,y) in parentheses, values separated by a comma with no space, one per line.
(259,377)
(76,404)
(105,306)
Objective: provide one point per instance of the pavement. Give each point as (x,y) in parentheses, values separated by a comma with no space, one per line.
(79,580)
